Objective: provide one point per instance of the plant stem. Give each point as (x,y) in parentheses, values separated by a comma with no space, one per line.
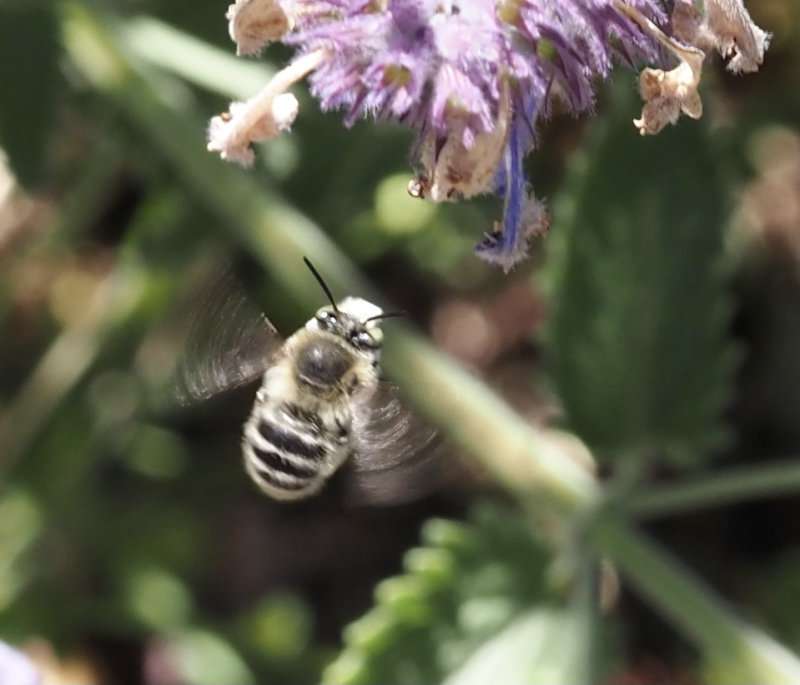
(745,653)
(739,485)
(195,60)
(524,460)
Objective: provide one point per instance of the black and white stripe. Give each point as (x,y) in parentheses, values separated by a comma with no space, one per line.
(289,451)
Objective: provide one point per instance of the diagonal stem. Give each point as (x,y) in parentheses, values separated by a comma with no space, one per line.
(523,460)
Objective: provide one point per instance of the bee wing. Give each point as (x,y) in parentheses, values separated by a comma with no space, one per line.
(397,454)
(230,343)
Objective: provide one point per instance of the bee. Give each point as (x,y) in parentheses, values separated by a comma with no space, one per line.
(321,403)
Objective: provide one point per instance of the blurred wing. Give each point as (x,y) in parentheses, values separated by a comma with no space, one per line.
(230,343)
(398,455)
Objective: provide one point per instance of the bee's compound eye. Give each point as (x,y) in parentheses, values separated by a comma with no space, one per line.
(326,318)
(363,340)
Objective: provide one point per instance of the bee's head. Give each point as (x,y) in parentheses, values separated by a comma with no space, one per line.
(356,322)
(343,348)
(353,321)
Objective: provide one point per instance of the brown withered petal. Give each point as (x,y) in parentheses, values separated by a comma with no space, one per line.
(252,24)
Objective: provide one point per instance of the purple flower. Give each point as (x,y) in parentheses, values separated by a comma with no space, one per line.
(472,77)
(16,668)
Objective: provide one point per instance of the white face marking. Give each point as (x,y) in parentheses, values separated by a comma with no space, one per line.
(358,308)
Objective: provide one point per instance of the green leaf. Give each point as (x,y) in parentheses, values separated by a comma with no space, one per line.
(466,584)
(206,658)
(538,647)
(29,51)
(636,341)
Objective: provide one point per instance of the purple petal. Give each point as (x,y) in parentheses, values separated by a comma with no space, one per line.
(510,245)
(16,668)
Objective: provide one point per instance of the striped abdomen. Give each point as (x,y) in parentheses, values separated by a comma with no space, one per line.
(290,451)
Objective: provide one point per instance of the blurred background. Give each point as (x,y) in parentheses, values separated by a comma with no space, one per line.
(133,549)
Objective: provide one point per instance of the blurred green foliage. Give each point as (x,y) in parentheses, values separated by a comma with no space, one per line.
(636,339)
(28,69)
(129,536)
(465,586)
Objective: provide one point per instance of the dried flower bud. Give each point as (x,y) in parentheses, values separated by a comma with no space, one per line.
(262,117)
(254,23)
(667,94)
(454,170)
(726,27)
(233,132)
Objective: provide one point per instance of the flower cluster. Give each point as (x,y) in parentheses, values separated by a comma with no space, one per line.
(473,77)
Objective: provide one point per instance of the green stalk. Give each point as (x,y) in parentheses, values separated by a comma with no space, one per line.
(743,653)
(737,485)
(525,461)
(195,60)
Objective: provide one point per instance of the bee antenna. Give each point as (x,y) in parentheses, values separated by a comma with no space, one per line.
(386,315)
(322,284)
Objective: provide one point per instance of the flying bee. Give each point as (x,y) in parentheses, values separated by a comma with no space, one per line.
(321,403)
